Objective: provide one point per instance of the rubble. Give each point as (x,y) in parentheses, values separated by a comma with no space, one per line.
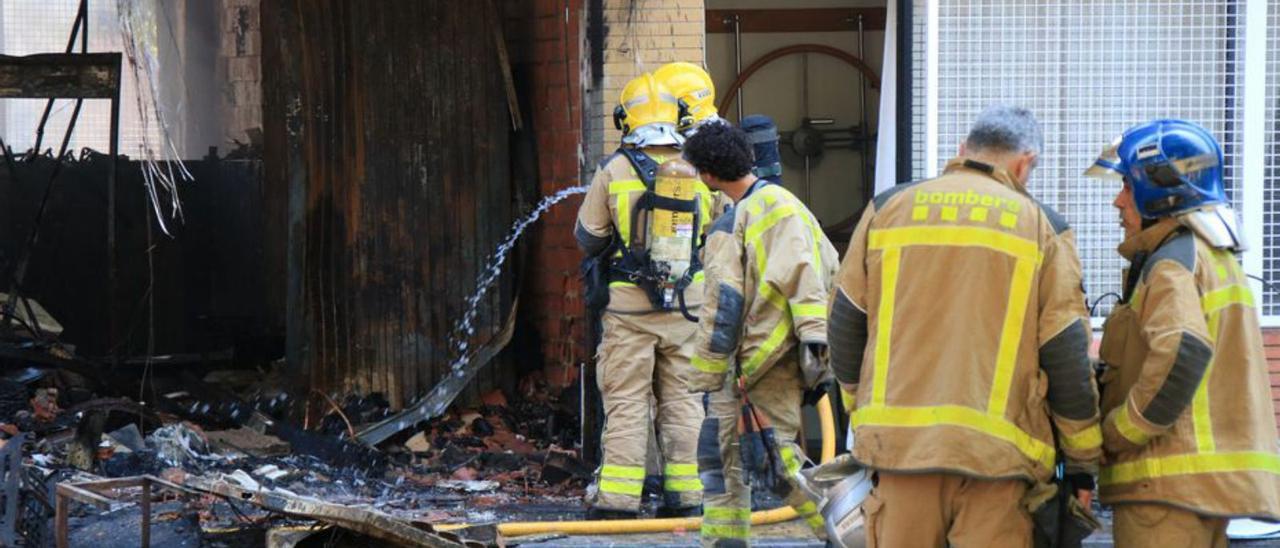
(247,441)
(236,471)
(179,443)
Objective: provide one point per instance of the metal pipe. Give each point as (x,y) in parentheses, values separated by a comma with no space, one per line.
(737,58)
(804,116)
(867,185)
(113,154)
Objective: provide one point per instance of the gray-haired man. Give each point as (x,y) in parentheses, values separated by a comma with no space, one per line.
(958,312)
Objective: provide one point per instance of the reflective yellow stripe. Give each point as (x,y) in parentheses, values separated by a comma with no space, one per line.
(1130,431)
(959,416)
(683,485)
(699,277)
(752,237)
(758,227)
(768,347)
(789,459)
(621,488)
(705,197)
(809,310)
(618,471)
(1218,299)
(1089,438)
(621,284)
(1178,465)
(709,366)
(1027,255)
(965,236)
(774,296)
(623,206)
(622,186)
(1010,335)
(726,514)
(809,511)
(1200,418)
(726,531)
(890,262)
(681,469)
(1135,302)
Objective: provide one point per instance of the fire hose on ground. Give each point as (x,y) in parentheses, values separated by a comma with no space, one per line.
(827,423)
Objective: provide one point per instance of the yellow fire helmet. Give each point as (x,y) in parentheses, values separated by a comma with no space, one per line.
(695,91)
(647,113)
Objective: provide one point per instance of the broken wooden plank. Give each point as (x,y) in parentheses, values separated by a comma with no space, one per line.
(361,520)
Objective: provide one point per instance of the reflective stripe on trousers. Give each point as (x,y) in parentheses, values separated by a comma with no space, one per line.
(681,478)
(778,396)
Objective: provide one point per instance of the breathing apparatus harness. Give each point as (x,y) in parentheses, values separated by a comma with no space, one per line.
(635,264)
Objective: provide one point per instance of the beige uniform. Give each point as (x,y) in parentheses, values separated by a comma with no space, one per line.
(961,318)
(1190,434)
(643,355)
(769,273)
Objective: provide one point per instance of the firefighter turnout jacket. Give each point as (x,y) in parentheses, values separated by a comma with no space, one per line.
(1186,394)
(960,315)
(771,269)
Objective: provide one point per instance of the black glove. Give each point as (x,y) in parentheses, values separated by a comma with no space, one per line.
(812,395)
(1079,482)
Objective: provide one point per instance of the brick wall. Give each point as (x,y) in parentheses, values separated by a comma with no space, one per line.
(1271,343)
(639,35)
(240,55)
(552,293)
(643,35)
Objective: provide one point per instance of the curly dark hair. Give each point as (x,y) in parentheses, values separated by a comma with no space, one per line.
(720,149)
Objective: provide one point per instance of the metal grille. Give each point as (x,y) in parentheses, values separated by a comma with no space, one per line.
(43,26)
(1271,178)
(1088,69)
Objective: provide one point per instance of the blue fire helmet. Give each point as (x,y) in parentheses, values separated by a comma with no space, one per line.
(763,135)
(1172,165)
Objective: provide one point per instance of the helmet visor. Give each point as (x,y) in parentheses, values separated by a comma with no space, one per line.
(1107,166)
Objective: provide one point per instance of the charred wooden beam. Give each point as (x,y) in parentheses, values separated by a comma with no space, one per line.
(60,75)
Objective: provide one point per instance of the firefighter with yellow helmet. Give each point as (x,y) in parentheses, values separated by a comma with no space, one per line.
(640,224)
(693,90)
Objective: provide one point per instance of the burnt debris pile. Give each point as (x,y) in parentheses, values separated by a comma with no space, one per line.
(224,457)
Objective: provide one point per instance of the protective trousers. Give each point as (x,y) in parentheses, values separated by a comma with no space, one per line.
(1142,525)
(916,510)
(644,357)
(726,498)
